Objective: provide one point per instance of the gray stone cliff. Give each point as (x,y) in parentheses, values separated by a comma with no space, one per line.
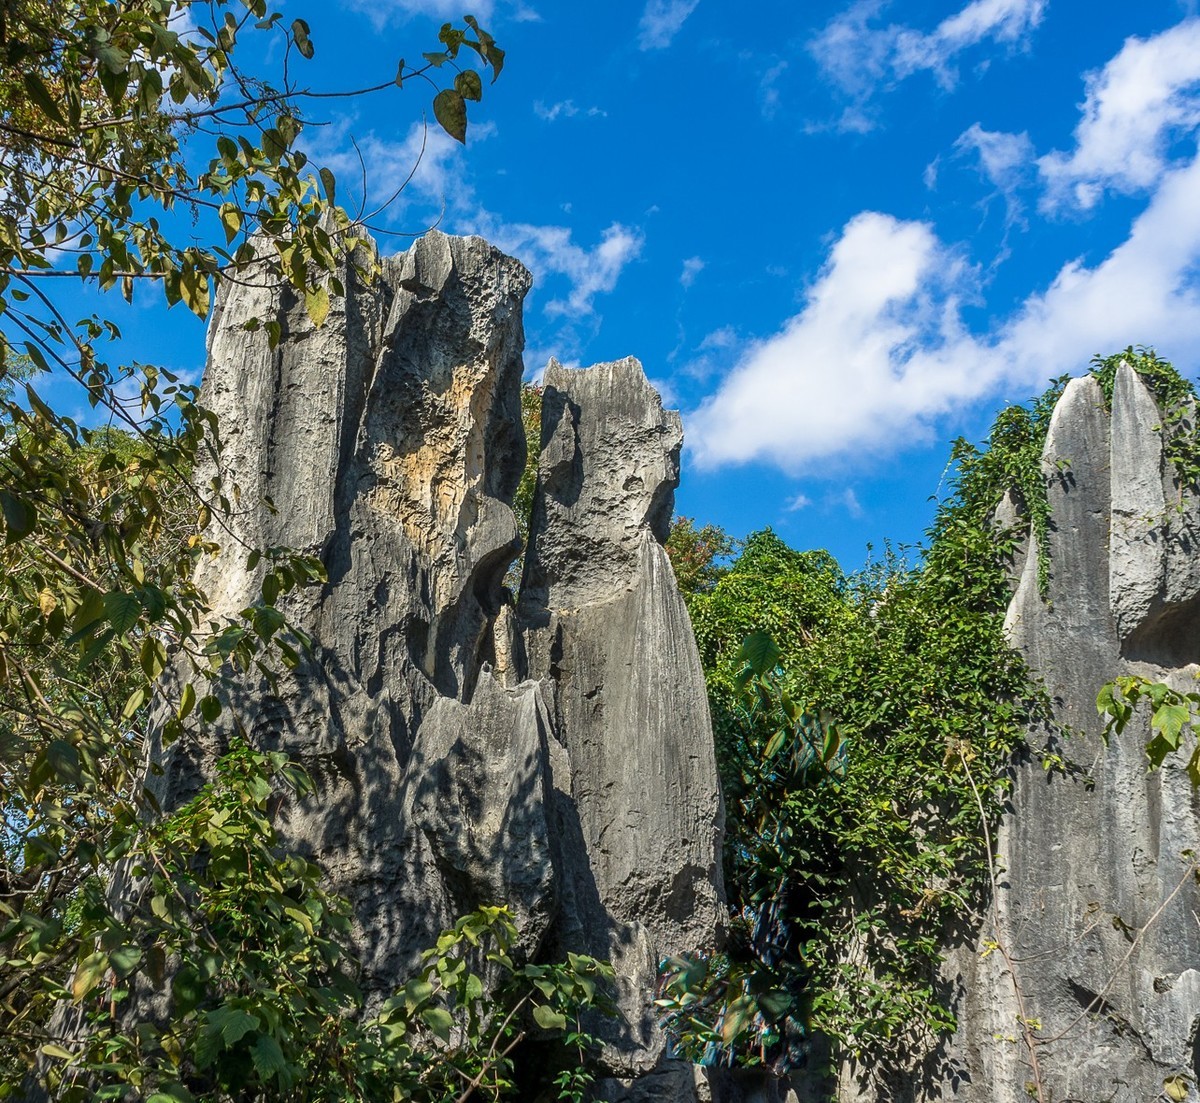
(558,757)
(1096,904)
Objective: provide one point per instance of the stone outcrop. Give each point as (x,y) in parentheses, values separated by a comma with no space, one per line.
(1097,903)
(604,629)
(557,757)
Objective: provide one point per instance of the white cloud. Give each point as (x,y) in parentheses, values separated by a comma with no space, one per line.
(723,338)
(859,55)
(428,165)
(930,176)
(1143,98)
(1005,161)
(566,109)
(880,352)
(834,379)
(550,112)
(661,22)
(800,501)
(768,88)
(381,12)
(848,501)
(692,267)
(425,166)
(543,249)
(1006,21)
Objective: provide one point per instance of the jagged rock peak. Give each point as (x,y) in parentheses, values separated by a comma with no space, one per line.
(568,771)
(608,472)
(604,629)
(1103,837)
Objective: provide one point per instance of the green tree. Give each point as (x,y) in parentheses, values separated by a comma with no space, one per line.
(698,555)
(103,107)
(846,709)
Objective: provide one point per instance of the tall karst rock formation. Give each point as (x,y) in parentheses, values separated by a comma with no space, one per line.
(557,756)
(1098,903)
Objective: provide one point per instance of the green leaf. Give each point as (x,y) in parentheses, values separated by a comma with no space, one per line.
(549,1019)
(300,33)
(773,745)
(468,85)
(231,220)
(125,960)
(775,1004)
(760,653)
(232,1023)
(316,302)
(187,701)
(88,974)
(122,610)
(416,992)
(134,702)
(57,1052)
(193,289)
(439,1020)
(20,517)
(40,94)
(268,1058)
(450,110)
(737,1018)
(153,657)
(1170,719)
(329,183)
(188,989)
(1193,768)
(273,145)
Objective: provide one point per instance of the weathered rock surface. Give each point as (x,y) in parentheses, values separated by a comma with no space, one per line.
(559,760)
(1097,905)
(604,629)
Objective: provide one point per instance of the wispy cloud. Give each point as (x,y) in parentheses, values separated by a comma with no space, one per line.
(566,109)
(692,267)
(435,169)
(1005,160)
(848,501)
(723,338)
(860,54)
(590,271)
(661,21)
(424,167)
(1143,98)
(381,12)
(768,88)
(551,111)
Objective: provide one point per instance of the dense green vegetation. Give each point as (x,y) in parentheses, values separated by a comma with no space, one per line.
(846,866)
(856,718)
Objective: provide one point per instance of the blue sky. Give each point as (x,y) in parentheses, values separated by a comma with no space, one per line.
(836,234)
